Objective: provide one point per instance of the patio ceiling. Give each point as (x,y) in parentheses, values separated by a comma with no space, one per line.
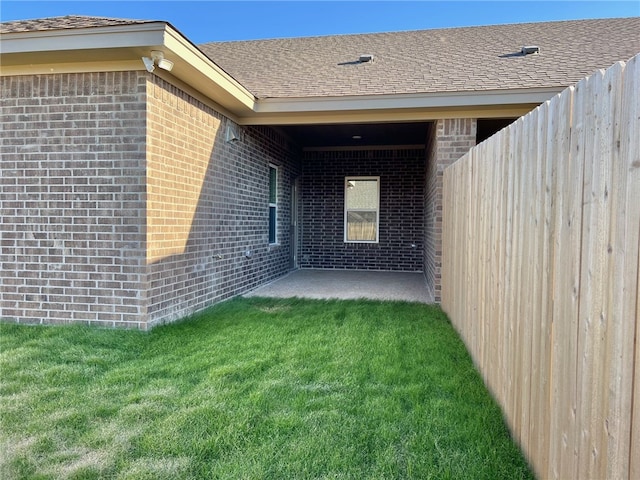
(358,134)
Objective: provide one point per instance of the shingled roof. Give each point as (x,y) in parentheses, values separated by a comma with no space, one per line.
(466,59)
(62,23)
(438,61)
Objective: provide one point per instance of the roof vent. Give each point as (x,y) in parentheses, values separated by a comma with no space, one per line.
(530,50)
(367,57)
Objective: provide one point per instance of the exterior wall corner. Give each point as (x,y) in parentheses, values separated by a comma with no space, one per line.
(450,139)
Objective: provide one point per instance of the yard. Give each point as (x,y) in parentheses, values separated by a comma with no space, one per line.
(255,389)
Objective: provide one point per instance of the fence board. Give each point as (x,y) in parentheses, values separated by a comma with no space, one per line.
(591,326)
(541,274)
(556,148)
(510,371)
(505,206)
(624,387)
(495,182)
(566,291)
(536,326)
(547,254)
(524,336)
(616,374)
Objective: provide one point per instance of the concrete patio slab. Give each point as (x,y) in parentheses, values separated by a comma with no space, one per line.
(348,284)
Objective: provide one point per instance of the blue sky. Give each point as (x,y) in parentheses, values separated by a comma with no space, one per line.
(204,21)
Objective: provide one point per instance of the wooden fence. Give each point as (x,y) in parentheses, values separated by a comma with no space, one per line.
(541,275)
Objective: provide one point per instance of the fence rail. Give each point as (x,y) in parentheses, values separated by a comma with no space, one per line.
(541,234)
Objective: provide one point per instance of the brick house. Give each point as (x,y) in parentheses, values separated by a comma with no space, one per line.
(145,178)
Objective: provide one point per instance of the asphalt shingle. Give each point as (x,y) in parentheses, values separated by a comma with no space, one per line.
(470,59)
(62,23)
(450,60)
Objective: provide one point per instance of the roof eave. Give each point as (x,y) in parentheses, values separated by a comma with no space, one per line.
(399,107)
(118,48)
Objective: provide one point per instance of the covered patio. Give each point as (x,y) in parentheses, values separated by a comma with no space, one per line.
(348,284)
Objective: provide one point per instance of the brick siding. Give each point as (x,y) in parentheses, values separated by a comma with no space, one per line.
(72,198)
(449,140)
(207,205)
(82,154)
(402,178)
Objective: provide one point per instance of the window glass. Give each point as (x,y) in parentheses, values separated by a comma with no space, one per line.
(273,204)
(272,224)
(273,184)
(361,209)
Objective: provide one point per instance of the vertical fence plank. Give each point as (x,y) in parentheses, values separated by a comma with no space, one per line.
(624,299)
(505,207)
(523,346)
(592,324)
(568,195)
(558,105)
(476,281)
(634,460)
(485,245)
(497,259)
(464,274)
(471,283)
(614,433)
(482,227)
(535,322)
(542,298)
(448,235)
(547,459)
(510,255)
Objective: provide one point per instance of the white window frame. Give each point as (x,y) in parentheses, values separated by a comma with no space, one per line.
(347,210)
(273,205)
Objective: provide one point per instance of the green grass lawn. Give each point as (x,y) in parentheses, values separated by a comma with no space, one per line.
(252,389)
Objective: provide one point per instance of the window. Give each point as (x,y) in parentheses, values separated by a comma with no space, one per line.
(361,209)
(273,204)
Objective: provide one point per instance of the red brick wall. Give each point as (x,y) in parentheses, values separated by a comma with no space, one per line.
(72,199)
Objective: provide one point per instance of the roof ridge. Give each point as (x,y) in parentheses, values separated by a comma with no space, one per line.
(70,16)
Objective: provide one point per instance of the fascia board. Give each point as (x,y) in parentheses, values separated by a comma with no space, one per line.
(121,36)
(405,101)
(196,69)
(387,115)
